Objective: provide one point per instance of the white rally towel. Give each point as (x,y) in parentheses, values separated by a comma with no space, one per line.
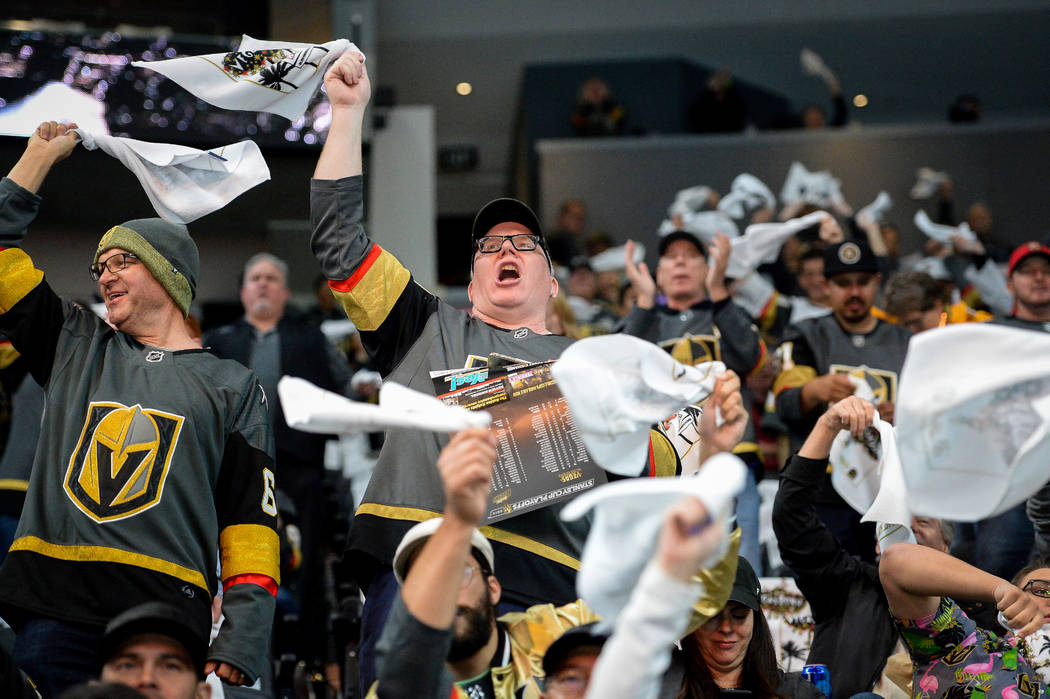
(690,201)
(613,259)
(617,386)
(312,409)
(818,188)
(927,180)
(628,515)
(184,183)
(972,413)
(940,232)
(856,463)
(260,76)
(747,195)
(706,224)
(761,242)
(890,509)
(876,210)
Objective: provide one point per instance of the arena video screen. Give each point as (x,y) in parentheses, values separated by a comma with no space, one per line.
(87,77)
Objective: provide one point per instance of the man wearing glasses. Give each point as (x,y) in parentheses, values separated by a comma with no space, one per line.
(410,333)
(443,638)
(155,457)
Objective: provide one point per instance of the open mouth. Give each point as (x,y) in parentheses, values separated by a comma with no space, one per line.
(508,272)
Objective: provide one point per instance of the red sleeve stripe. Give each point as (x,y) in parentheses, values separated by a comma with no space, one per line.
(362,269)
(263,581)
(761,358)
(652,459)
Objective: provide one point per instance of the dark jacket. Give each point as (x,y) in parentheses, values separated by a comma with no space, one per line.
(303,354)
(854,630)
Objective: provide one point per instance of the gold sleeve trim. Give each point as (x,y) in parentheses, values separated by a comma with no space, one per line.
(14,484)
(665,461)
(18,275)
(416,514)
(106,554)
(793,378)
(369,299)
(249,549)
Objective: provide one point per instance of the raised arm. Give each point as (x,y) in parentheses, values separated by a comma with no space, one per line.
(821,566)
(31,315)
(639,651)
(412,650)
(373,287)
(348,88)
(50,143)
(433,582)
(916,577)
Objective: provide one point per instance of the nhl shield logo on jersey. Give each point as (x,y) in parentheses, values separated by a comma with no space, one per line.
(121,461)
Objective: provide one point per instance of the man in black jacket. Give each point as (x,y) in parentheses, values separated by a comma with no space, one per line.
(854,630)
(274,342)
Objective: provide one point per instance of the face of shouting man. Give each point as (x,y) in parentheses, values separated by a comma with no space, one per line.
(511,285)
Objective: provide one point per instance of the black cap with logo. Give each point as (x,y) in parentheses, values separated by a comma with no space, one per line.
(850,256)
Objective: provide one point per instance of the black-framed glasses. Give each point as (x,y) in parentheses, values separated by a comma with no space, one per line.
(522,242)
(114,263)
(1039,588)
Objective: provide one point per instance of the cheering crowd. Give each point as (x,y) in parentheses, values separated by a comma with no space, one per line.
(154,506)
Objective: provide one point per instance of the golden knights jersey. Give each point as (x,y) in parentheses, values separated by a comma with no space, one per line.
(152,467)
(409,332)
(820,346)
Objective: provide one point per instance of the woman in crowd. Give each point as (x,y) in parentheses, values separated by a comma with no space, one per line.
(734,650)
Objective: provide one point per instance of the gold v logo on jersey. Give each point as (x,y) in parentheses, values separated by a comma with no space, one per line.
(694,349)
(121,461)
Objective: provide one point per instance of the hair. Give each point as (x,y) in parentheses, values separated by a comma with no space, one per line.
(760,675)
(913,291)
(947,531)
(1035,565)
(265,257)
(569,203)
(101,690)
(811,251)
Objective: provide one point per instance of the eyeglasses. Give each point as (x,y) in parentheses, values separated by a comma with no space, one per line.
(114,263)
(569,682)
(468,574)
(522,242)
(1039,588)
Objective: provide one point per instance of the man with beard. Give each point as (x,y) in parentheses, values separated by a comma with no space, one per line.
(821,358)
(442,637)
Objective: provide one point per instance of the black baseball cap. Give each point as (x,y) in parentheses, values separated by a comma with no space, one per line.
(576,637)
(746,588)
(504,210)
(161,619)
(850,256)
(671,237)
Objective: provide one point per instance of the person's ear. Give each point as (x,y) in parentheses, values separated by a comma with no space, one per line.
(470,289)
(554,287)
(495,589)
(203,690)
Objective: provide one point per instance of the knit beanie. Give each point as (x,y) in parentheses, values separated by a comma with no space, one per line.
(167,251)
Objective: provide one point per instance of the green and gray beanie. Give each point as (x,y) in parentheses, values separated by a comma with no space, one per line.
(167,251)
